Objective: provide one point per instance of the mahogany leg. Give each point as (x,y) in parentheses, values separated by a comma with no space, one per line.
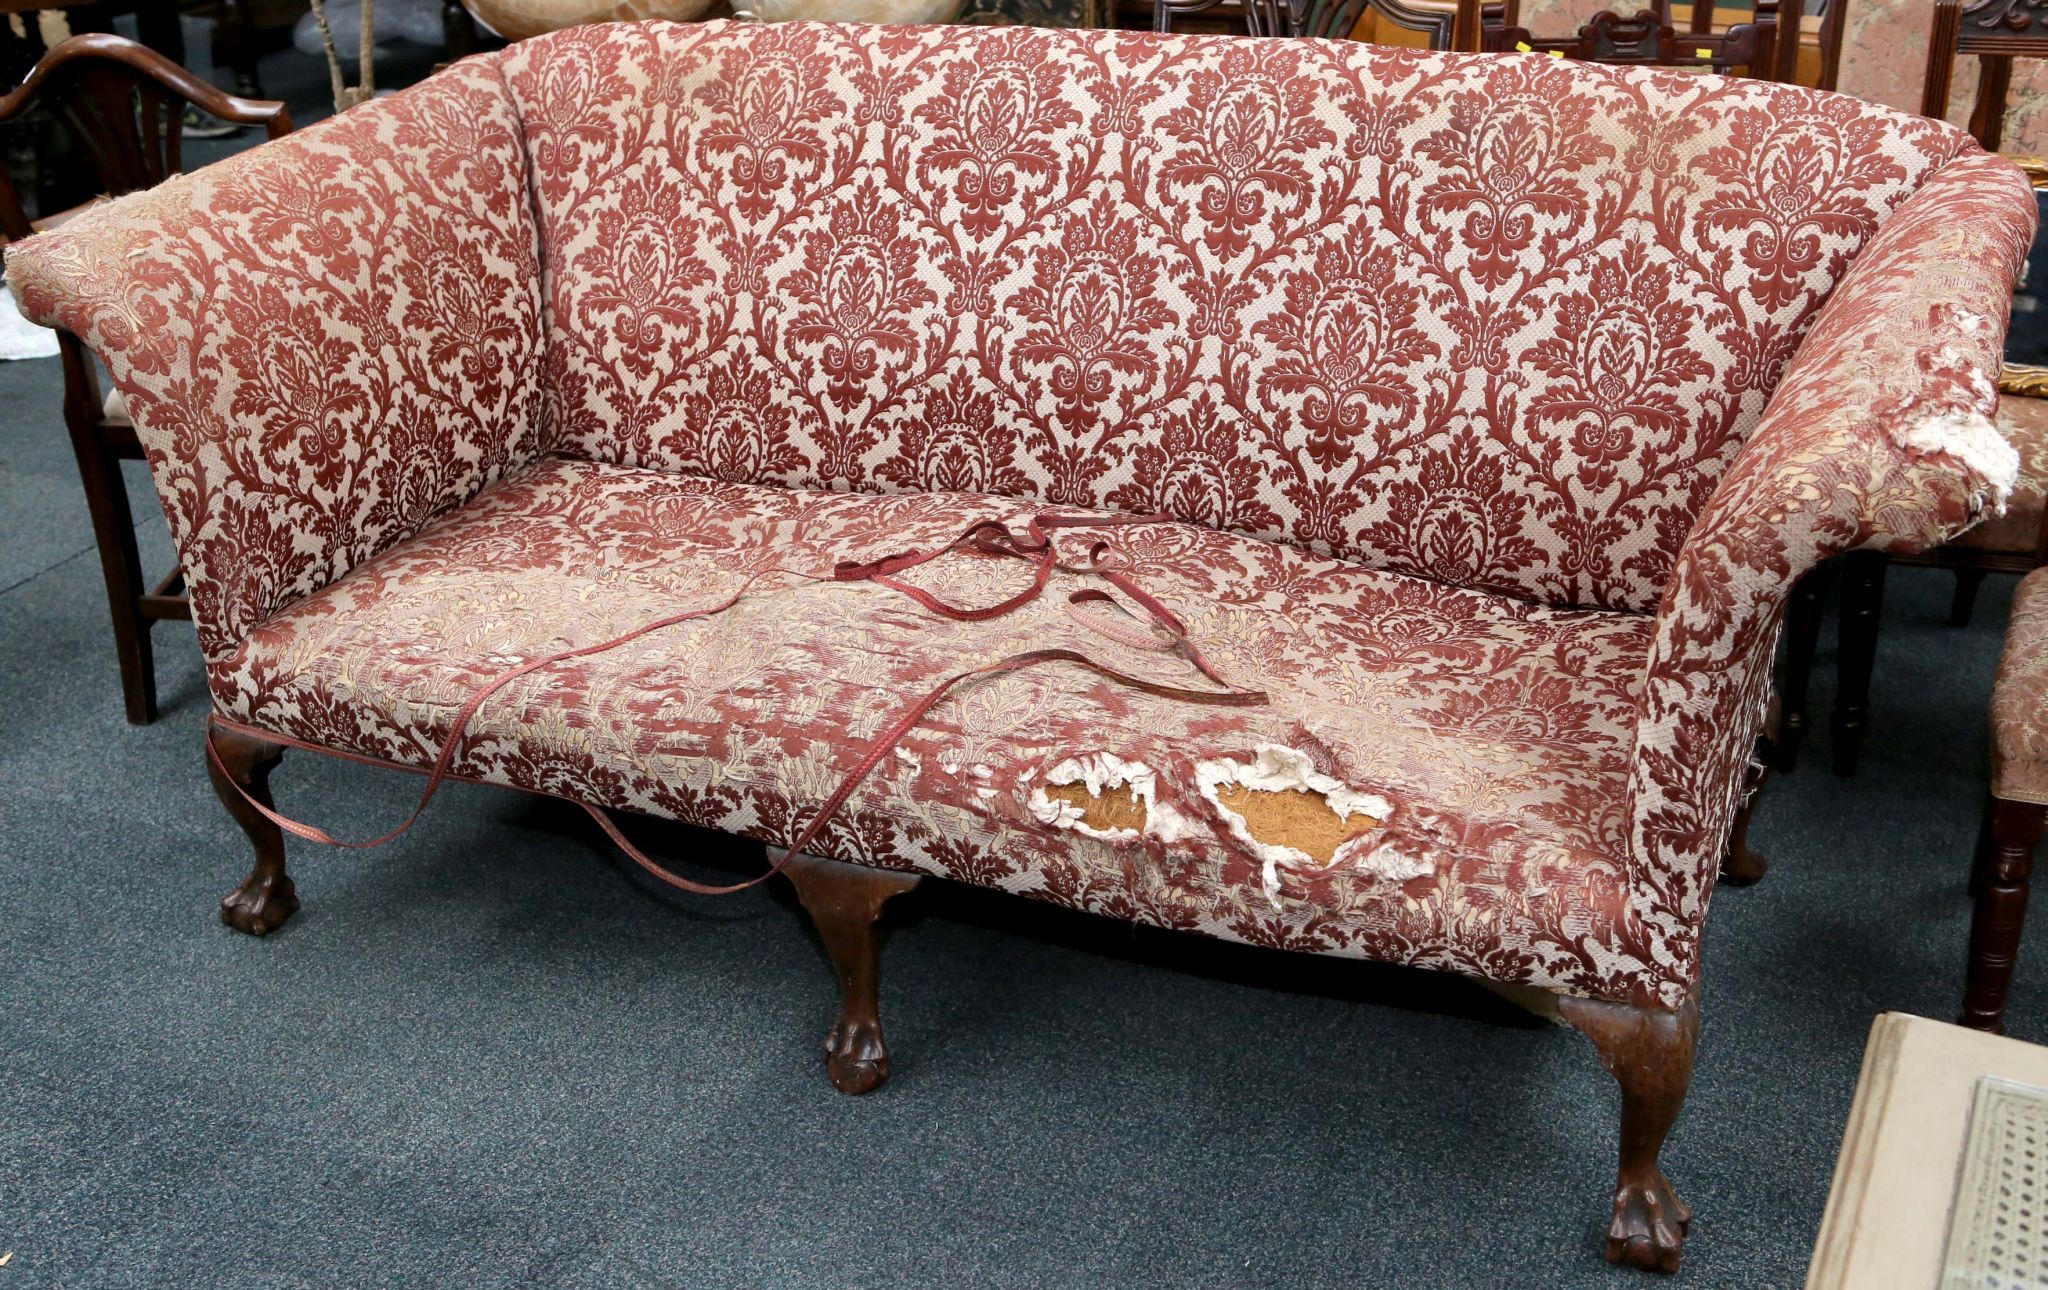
(2001,912)
(1964,605)
(1741,867)
(238,28)
(458,29)
(1649,1052)
(265,899)
(844,902)
(113,528)
(1803,614)
(1862,607)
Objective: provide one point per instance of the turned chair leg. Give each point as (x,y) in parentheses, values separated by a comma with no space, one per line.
(242,764)
(1741,866)
(113,524)
(1649,1052)
(1964,605)
(2000,882)
(1803,614)
(1862,607)
(844,902)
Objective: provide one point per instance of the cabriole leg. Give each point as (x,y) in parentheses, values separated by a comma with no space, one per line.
(844,902)
(265,899)
(1649,1052)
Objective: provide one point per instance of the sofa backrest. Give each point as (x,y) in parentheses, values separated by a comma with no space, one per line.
(1498,320)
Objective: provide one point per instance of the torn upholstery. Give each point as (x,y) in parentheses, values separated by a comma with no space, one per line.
(1496,402)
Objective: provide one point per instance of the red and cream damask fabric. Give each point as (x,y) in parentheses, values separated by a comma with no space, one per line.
(1880,435)
(324,342)
(2019,699)
(1374,324)
(1497,730)
(1501,322)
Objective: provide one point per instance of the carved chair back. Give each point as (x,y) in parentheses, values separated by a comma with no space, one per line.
(1648,40)
(1791,29)
(1455,29)
(1996,31)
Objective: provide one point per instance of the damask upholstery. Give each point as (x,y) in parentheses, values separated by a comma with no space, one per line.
(2019,699)
(1497,729)
(1478,378)
(1283,289)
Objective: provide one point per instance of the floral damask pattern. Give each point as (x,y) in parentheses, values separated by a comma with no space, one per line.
(1373,266)
(1497,728)
(2019,737)
(324,343)
(1448,372)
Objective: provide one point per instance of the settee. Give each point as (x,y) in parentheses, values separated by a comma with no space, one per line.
(1330,497)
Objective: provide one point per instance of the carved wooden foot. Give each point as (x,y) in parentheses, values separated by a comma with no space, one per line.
(265,899)
(844,902)
(1649,1053)
(1742,866)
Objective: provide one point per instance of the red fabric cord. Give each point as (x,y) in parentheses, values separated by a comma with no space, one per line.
(988,537)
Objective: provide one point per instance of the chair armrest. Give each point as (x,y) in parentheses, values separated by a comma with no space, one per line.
(1879,436)
(324,342)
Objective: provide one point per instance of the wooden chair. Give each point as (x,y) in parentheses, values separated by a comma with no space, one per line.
(1647,40)
(2015,811)
(1790,45)
(1451,26)
(1996,31)
(125,106)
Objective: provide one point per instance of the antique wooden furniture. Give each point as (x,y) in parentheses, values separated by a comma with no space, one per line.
(1648,40)
(1420,24)
(2010,544)
(2016,808)
(157,22)
(1808,47)
(124,105)
(1258,487)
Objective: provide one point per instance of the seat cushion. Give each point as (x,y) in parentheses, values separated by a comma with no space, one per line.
(1489,738)
(2019,698)
(2018,531)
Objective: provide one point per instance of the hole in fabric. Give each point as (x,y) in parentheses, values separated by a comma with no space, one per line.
(1115,808)
(1298,818)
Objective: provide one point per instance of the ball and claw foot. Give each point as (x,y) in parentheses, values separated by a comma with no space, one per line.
(260,905)
(1649,1226)
(856,1058)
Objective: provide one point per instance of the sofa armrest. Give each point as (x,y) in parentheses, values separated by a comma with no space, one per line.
(1879,436)
(323,342)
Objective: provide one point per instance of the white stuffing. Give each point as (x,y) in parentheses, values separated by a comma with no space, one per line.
(1101,772)
(1973,439)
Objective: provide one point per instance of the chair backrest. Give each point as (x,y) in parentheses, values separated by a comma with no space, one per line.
(1648,40)
(125,104)
(1996,31)
(1455,28)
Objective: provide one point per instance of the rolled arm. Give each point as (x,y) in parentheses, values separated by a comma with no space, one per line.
(323,342)
(1880,435)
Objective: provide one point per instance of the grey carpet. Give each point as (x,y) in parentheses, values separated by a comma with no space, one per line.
(490,1055)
